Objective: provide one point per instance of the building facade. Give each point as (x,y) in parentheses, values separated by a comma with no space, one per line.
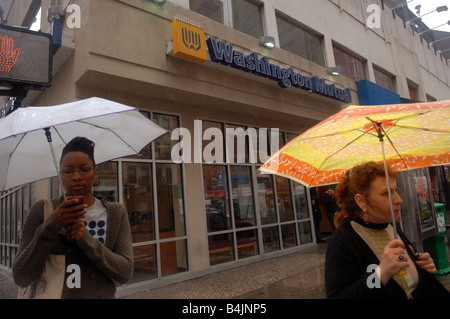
(213,210)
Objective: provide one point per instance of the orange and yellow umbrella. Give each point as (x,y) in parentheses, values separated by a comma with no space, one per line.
(413,135)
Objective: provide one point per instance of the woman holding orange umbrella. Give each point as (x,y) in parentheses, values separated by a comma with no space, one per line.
(366,239)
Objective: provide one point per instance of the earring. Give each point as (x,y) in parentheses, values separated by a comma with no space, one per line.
(366,217)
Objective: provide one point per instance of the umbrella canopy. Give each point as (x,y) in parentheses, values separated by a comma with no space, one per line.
(25,156)
(415,135)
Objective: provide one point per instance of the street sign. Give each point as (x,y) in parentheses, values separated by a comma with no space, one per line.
(25,58)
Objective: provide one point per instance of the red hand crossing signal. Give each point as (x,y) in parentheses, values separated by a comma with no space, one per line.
(25,58)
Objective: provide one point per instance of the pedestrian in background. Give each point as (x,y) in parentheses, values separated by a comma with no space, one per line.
(331,205)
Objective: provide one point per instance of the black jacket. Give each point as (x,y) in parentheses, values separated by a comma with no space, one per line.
(347,259)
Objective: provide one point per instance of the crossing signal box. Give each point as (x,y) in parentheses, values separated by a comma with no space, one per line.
(25,58)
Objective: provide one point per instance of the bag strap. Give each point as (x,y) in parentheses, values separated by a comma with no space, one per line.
(48,208)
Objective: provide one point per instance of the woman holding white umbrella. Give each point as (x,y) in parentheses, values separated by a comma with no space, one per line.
(93,238)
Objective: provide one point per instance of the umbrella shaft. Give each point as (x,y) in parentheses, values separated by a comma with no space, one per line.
(49,139)
(394,223)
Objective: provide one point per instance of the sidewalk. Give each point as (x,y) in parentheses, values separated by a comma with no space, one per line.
(299,275)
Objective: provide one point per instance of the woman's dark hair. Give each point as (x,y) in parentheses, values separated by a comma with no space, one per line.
(357,181)
(80,144)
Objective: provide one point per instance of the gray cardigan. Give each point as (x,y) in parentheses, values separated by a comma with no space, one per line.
(100,265)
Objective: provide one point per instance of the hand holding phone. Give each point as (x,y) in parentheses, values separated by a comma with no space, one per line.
(80,200)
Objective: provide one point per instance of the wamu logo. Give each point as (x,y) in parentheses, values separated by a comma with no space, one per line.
(191,39)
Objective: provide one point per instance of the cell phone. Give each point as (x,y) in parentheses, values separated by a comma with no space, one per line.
(80,199)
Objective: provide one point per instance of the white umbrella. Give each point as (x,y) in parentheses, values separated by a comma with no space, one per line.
(25,156)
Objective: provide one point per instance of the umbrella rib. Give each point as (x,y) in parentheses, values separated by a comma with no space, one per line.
(328,157)
(395,149)
(108,129)
(57,132)
(11,154)
(331,134)
(421,129)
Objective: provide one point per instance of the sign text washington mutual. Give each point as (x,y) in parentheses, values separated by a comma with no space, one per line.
(225,54)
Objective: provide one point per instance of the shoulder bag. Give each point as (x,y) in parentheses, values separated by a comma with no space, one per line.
(50,284)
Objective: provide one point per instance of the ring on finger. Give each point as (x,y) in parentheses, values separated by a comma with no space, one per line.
(401,257)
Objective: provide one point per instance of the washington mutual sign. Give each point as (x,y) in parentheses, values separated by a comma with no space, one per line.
(225,54)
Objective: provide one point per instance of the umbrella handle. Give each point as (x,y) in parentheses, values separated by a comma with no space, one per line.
(48,134)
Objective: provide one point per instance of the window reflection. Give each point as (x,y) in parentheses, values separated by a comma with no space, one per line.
(284,198)
(242,15)
(217,206)
(305,233)
(242,192)
(266,198)
(246,243)
(170,200)
(173,257)
(164,144)
(210,8)
(247,17)
(271,239)
(288,235)
(299,41)
(144,263)
(106,185)
(301,205)
(137,198)
(220,248)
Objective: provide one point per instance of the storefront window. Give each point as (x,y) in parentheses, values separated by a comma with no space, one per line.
(305,233)
(299,41)
(301,205)
(271,239)
(237,141)
(288,235)
(220,248)
(284,198)
(244,205)
(242,193)
(138,200)
(173,257)
(266,198)
(247,244)
(218,216)
(213,142)
(144,263)
(106,185)
(170,201)
(164,144)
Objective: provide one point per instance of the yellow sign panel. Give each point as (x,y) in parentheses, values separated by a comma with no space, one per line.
(188,41)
